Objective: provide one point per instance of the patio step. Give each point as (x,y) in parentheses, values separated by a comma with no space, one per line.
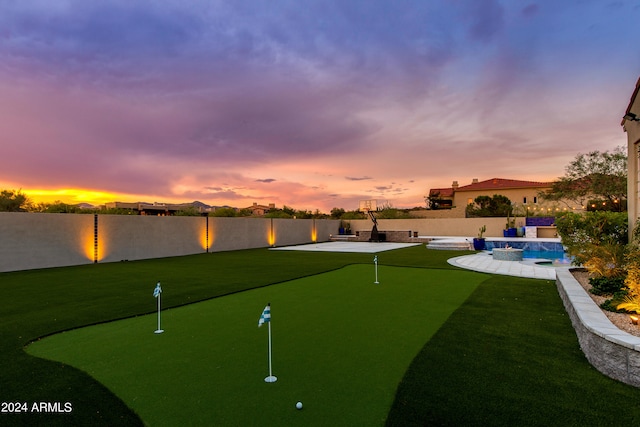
(450,244)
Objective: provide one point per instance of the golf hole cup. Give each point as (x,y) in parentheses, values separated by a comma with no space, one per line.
(299,405)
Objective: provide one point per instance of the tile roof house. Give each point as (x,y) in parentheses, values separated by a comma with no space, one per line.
(521,193)
(260,210)
(502,184)
(441,198)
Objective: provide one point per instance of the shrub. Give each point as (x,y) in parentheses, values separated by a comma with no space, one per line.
(596,240)
(606,260)
(606,285)
(485,206)
(631,302)
(615,304)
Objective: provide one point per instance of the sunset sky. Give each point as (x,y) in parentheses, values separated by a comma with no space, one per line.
(304,103)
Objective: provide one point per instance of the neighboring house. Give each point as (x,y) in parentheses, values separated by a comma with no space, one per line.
(524,195)
(260,210)
(441,198)
(631,125)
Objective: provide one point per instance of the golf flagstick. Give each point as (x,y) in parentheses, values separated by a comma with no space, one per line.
(265,317)
(375,261)
(157,292)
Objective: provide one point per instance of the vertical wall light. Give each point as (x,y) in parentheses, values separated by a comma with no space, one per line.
(272,234)
(95,238)
(314,231)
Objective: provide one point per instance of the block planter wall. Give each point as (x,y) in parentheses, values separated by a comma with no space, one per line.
(611,351)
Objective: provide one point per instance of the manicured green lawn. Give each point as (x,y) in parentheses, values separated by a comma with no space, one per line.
(507,356)
(341,346)
(37,303)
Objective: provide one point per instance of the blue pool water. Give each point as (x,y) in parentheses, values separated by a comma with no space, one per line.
(553,251)
(555,256)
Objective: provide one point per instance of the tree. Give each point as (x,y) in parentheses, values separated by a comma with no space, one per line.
(278,213)
(13,201)
(188,211)
(593,178)
(436,201)
(224,212)
(485,206)
(289,211)
(389,212)
(59,207)
(336,213)
(355,214)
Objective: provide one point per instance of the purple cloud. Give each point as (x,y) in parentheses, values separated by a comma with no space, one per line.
(186,99)
(485,18)
(530,10)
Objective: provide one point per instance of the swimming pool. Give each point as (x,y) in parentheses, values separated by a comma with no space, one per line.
(545,250)
(553,258)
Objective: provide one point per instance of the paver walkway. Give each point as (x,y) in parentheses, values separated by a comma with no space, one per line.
(485,263)
(364,247)
(482,262)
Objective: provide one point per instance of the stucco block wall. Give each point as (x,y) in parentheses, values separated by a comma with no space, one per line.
(139,237)
(288,232)
(229,234)
(325,229)
(32,240)
(456,212)
(37,240)
(436,226)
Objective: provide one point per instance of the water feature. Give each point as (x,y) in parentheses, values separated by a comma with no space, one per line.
(549,252)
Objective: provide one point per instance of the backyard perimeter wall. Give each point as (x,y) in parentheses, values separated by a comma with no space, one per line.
(39,240)
(43,240)
(30,241)
(467,227)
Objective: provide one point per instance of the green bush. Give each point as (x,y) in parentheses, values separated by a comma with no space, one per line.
(485,206)
(606,285)
(596,240)
(613,303)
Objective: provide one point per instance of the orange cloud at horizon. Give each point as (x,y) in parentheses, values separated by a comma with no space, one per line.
(77,195)
(70,195)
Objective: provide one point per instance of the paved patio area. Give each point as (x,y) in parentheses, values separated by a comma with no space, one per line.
(485,263)
(482,262)
(364,247)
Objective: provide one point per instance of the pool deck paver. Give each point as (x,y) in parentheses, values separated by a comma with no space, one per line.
(342,246)
(484,262)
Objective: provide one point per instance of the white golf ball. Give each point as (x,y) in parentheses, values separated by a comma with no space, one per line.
(299,405)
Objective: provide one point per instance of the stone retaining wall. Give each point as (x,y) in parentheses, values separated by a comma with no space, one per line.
(611,351)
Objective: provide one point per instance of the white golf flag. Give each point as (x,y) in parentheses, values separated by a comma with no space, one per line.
(265,316)
(157,291)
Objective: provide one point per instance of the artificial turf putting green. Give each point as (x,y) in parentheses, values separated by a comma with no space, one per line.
(341,345)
